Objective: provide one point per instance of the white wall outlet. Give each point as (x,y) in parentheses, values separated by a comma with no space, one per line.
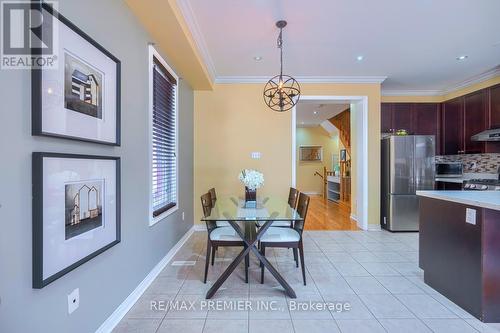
(256,155)
(183,216)
(470,216)
(73,300)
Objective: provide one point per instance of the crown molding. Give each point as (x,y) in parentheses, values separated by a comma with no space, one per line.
(190,18)
(412,92)
(492,73)
(304,79)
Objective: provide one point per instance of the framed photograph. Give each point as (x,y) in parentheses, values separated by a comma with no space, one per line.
(76,211)
(311,153)
(343,155)
(79,98)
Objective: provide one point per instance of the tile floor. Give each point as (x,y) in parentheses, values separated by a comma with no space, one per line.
(370,280)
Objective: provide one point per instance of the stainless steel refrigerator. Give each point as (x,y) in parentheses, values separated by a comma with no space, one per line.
(407,167)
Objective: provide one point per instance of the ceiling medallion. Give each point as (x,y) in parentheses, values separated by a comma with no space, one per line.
(281,92)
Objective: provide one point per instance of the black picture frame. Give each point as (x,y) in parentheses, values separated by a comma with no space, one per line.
(36,85)
(38,223)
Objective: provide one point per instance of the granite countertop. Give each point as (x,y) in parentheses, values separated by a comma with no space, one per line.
(484,199)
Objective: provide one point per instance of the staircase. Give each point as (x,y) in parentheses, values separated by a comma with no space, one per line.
(343,123)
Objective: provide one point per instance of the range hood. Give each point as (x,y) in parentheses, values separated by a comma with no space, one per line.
(488,135)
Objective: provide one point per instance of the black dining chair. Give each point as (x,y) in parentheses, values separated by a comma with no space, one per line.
(213,195)
(288,237)
(219,236)
(293,195)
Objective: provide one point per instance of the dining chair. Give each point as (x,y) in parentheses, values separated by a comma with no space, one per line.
(288,237)
(219,236)
(213,195)
(293,194)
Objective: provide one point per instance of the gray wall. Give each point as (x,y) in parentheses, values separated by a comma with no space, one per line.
(108,279)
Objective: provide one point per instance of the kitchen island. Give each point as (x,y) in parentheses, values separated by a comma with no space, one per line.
(460,248)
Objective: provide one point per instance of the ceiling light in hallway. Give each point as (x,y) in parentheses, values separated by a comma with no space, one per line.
(359,58)
(462,57)
(281,92)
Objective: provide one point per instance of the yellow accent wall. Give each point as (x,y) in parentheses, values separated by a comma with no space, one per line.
(232,120)
(314,136)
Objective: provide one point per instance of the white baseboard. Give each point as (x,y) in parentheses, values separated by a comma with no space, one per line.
(374,227)
(125,306)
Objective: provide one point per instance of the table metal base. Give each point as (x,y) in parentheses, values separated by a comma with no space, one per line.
(250,237)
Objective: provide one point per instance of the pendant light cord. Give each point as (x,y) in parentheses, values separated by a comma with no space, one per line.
(280,46)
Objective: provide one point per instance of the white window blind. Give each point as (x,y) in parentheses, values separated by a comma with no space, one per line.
(164,159)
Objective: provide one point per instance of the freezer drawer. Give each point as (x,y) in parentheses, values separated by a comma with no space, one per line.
(400,213)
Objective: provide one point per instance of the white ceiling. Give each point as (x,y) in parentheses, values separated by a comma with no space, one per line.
(413,43)
(306,116)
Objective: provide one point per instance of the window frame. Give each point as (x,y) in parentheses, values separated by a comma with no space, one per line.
(154,54)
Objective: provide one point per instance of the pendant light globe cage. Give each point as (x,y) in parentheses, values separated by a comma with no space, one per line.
(281,92)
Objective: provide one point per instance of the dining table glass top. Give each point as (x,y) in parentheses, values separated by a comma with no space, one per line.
(266,208)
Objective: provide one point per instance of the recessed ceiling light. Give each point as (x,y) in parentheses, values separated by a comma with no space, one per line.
(315,112)
(359,58)
(257,58)
(462,57)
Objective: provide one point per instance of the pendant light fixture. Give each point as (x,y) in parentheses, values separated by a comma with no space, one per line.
(281,92)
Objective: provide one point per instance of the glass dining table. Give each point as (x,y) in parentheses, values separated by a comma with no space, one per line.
(243,218)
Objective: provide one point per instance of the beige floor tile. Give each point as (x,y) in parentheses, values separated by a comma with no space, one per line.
(181,326)
(137,326)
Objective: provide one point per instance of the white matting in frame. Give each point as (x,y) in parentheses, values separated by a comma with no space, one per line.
(80,211)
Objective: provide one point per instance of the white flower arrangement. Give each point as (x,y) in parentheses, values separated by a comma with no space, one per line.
(251,178)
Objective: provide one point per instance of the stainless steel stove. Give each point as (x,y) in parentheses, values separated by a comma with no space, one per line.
(482,185)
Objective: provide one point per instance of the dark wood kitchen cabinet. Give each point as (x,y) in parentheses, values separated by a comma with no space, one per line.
(453,122)
(402,116)
(495,107)
(475,120)
(416,118)
(427,121)
(386,118)
(494,116)
(452,132)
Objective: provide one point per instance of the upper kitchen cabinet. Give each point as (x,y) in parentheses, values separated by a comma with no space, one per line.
(494,117)
(386,118)
(452,131)
(495,107)
(416,118)
(475,120)
(427,121)
(402,116)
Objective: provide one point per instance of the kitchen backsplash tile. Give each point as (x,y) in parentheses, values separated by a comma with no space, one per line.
(481,163)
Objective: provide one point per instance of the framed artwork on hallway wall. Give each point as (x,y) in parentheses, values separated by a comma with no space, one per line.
(79,96)
(343,155)
(76,211)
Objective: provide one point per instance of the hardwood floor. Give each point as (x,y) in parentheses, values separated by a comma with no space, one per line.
(327,215)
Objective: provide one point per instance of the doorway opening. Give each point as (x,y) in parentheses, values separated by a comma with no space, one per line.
(329,160)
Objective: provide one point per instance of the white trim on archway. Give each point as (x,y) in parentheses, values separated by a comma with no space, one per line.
(357,102)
